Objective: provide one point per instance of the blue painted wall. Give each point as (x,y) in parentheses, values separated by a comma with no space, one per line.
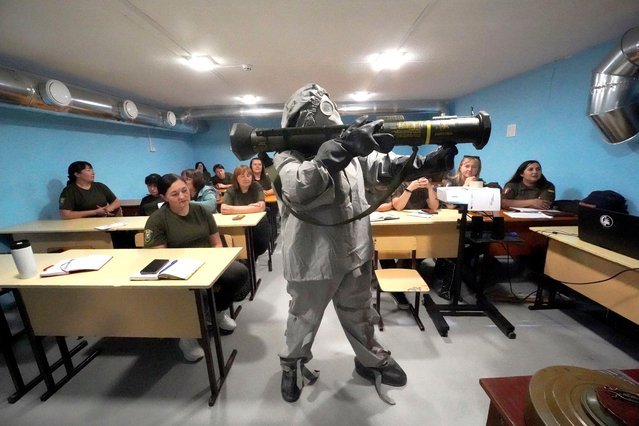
(36,149)
(549,106)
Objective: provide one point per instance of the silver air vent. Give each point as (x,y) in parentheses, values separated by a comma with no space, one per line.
(614,93)
(17,87)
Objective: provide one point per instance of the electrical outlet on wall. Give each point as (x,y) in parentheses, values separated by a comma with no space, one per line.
(511,130)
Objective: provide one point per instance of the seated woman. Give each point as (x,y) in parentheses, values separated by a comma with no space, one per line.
(83,197)
(415,195)
(467,172)
(246,196)
(528,188)
(418,194)
(220,180)
(152,201)
(180,223)
(201,167)
(260,176)
(201,194)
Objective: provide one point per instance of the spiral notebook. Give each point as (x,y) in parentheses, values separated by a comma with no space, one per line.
(177,269)
(79,264)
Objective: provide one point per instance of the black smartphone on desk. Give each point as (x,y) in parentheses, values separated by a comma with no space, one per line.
(154,266)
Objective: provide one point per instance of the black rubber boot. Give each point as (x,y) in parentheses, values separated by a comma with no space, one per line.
(392,373)
(290,391)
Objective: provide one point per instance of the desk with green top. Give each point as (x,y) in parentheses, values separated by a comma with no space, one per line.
(569,259)
(106,303)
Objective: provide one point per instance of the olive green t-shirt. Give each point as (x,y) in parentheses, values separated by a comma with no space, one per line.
(519,191)
(237,198)
(418,198)
(190,231)
(77,199)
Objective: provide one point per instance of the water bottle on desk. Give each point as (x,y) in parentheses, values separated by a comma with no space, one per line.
(23,257)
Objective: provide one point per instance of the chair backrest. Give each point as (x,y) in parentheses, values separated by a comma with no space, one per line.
(139,239)
(395,247)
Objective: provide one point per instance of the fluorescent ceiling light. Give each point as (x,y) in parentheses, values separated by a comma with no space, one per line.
(361,96)
(352,108)
(389,60)
(201,63)
(260,111)
(248,99)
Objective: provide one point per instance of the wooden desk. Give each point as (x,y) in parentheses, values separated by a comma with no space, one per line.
(568,259)
(534,244)
(81,233)
(508,398)
(131,207)
(106,303)
(437,236)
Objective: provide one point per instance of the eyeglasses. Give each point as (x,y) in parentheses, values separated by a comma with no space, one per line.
(474,157)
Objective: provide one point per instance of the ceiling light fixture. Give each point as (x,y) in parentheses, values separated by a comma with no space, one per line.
(201,63)
(361,96)
(389,60)
(248,99)
(260,111)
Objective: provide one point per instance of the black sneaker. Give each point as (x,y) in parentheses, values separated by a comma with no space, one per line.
(290,391)
(400,300)
(392,373)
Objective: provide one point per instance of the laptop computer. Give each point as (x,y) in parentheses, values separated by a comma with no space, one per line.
(612,230)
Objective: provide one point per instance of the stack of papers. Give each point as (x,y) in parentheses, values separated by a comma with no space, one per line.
(379,216)
(110,226)
(421,213)
(79,264)
(527,213)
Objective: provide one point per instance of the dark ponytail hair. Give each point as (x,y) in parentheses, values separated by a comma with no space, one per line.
(76,167)
(520,170)
(166,181)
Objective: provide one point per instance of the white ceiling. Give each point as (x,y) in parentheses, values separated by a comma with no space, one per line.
(132,47)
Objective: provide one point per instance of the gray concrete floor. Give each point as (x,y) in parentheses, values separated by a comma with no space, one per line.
(146,382)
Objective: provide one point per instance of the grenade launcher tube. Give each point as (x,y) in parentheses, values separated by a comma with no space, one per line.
(247,141)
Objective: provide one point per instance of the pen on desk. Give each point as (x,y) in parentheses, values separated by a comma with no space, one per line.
(167,266)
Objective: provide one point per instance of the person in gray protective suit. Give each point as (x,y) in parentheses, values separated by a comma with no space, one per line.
(324,263)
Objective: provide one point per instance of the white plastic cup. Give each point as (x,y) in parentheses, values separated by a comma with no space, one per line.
(23,258)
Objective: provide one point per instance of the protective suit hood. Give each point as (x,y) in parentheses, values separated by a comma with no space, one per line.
(310,106)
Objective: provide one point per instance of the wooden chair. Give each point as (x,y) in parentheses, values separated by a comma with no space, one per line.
(399,279)
(139,240)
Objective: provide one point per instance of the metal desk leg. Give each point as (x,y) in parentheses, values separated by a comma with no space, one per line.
(255,282)
(201,299)
(12,364)
(46,370)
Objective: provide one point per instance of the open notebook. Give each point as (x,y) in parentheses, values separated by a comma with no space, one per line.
(79,264)
(177,269)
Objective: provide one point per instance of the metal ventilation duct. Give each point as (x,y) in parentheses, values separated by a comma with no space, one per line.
(271,110)
(614,93)
(17,87)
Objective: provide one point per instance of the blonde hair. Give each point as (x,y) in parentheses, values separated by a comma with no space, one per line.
(457,178)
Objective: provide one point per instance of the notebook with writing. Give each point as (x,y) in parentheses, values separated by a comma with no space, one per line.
(612,230)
